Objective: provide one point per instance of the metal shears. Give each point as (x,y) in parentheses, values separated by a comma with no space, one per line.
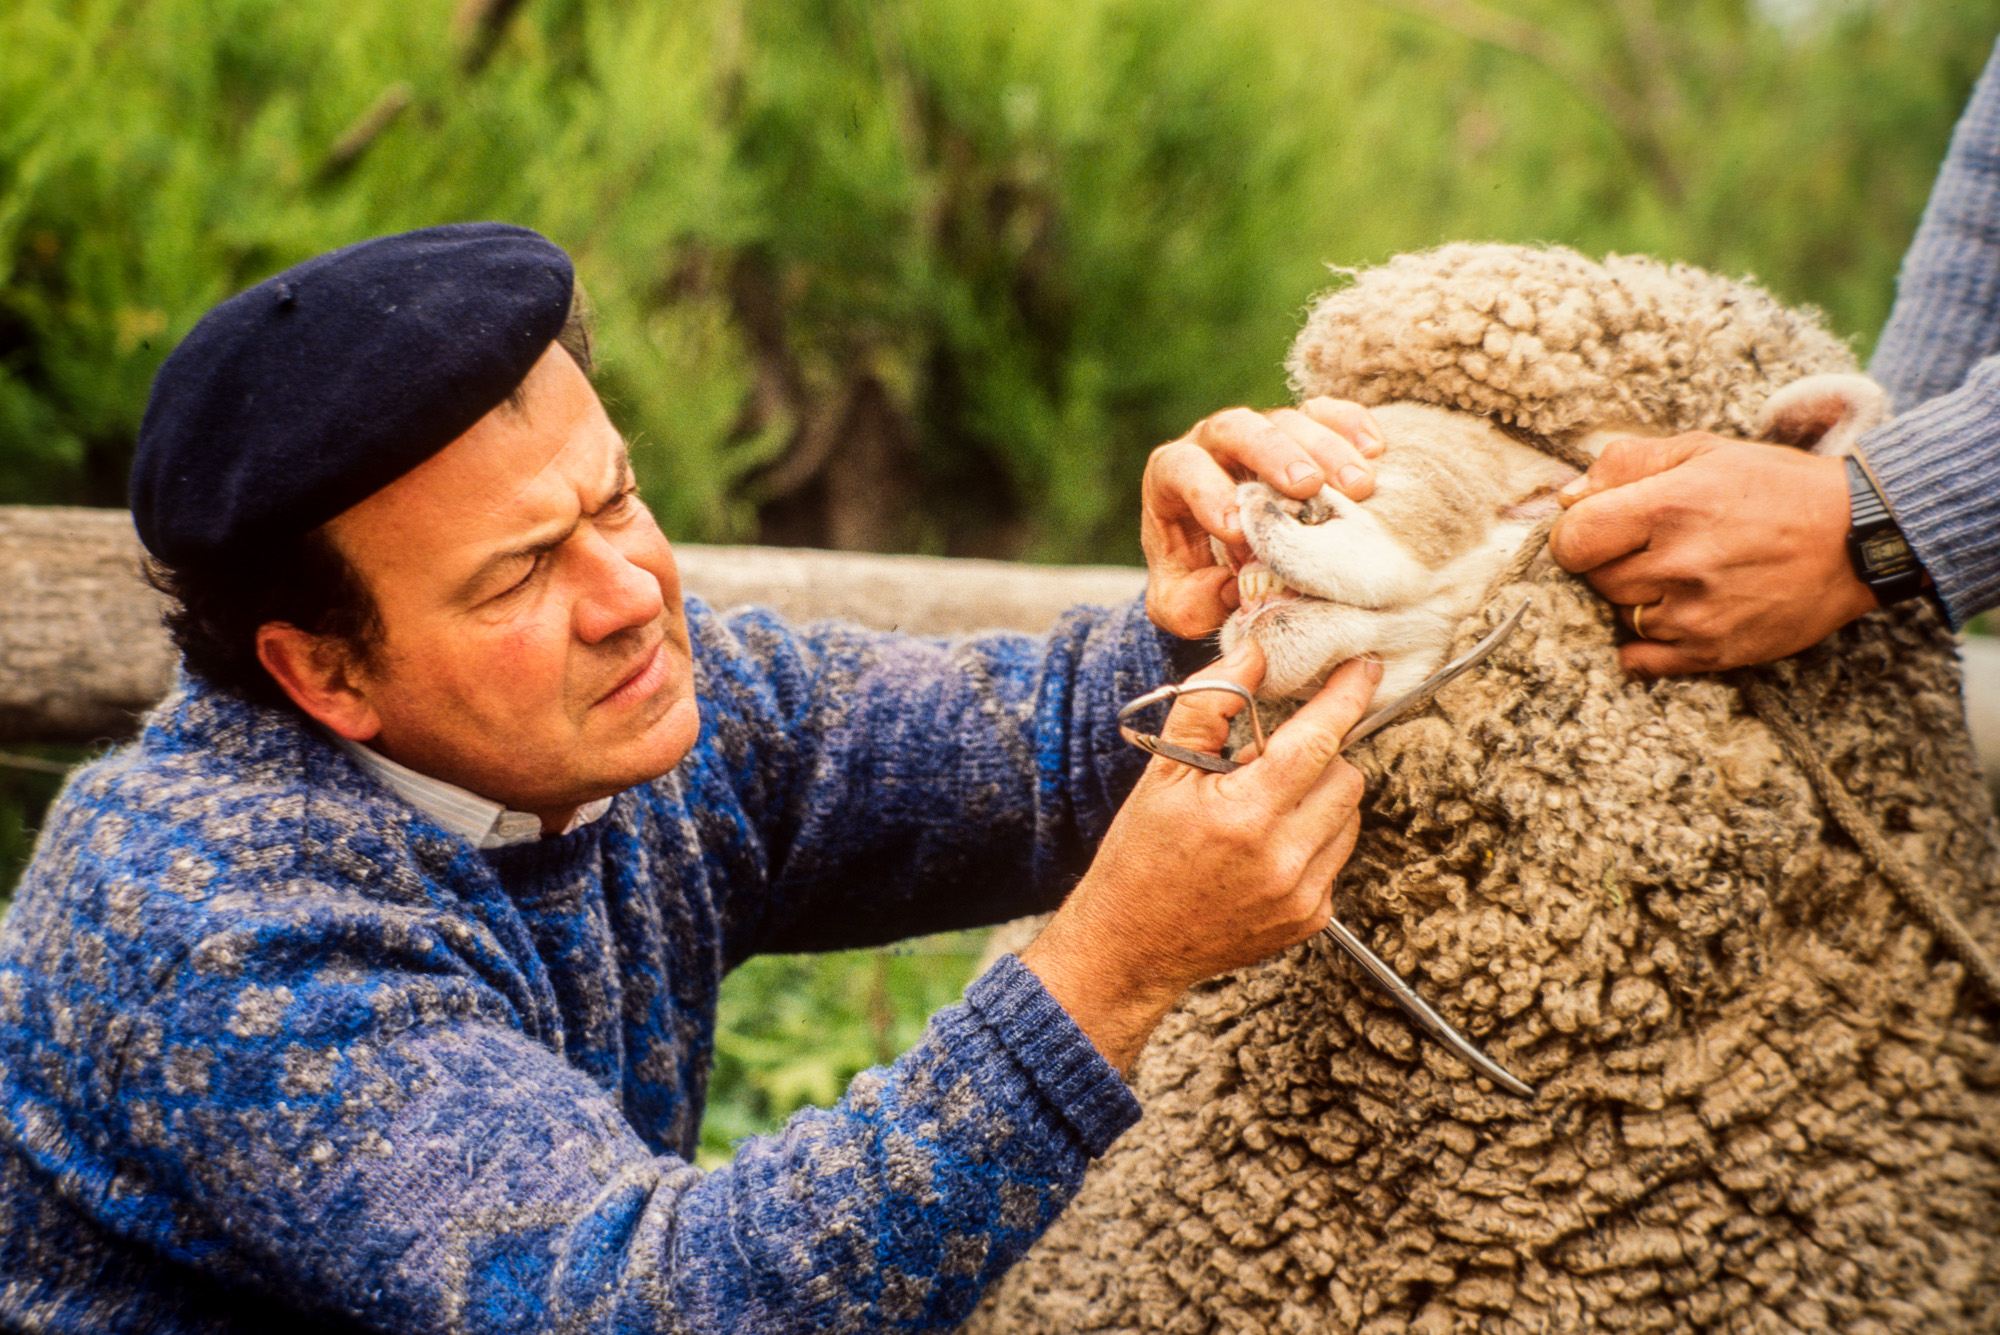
(1405,996)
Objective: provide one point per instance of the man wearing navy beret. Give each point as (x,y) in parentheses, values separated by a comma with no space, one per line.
(373,987)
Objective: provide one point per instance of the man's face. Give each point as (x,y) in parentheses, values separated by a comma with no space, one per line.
(535,649)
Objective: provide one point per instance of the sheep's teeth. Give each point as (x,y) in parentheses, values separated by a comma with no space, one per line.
(1258,583)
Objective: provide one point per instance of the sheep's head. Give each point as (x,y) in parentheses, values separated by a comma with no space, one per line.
(1447,344)
(1392,576)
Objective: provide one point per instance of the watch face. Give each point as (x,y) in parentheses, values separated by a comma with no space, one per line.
(1884,554)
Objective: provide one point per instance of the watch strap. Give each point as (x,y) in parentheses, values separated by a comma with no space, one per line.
(1875,544)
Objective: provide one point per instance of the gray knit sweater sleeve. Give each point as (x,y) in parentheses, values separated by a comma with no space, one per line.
(1939,461)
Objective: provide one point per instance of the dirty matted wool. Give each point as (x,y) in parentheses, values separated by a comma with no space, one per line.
(1766,1099)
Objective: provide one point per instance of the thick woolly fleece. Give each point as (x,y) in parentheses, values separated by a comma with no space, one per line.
(1767,1101)
(1939,462)
(275,1051)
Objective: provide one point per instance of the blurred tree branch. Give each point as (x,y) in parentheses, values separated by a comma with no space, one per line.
(367,128)
(1636,118)
(480,25)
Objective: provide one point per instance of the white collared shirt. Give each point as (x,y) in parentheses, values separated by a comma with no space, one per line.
(486,824)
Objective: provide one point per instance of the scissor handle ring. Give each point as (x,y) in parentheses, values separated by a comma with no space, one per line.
(1152,743)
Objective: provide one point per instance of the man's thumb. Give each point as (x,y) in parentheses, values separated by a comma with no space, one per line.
(1200,719)
(1627,461)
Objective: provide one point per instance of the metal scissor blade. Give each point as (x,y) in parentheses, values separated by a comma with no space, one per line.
(1430,685)
(1154,744)
(1415,1007)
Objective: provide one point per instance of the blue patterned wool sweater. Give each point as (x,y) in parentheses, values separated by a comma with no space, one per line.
(277,1053)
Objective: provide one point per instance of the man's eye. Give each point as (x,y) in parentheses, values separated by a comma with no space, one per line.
(534,564)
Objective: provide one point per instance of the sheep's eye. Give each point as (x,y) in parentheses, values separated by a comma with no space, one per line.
(1317,511)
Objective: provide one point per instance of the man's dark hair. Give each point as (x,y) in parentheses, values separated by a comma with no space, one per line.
(213,612)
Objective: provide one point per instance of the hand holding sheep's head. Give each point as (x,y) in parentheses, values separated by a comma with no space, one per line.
(1391,576)
(1456,497)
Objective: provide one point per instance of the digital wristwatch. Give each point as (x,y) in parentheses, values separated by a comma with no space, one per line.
(1881,555)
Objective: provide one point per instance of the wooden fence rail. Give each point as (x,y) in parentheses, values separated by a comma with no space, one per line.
(82,652)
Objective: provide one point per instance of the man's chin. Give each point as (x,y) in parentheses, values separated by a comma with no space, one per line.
(657,748)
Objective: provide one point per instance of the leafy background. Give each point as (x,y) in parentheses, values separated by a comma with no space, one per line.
(916,275)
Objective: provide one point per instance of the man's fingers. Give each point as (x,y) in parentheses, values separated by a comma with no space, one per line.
(1648,659)
(1623,462)
(1333,854)
(1600,529)
(1253,443)
(1298,753)
(1630,580)
(1322,870)
(1338,456)
(1350,420)
(1191,603)
(1334,796)
(1186,479)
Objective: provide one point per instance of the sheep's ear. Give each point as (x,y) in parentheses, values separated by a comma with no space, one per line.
(1822,413)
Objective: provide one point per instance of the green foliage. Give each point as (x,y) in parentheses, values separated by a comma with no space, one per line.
(29,779)
(926,274)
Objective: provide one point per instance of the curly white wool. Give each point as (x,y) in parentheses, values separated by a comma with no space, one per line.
(1543,338)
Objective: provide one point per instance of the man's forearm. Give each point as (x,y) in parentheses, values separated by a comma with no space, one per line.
(478,1182)
(1939,462)
(1939,469)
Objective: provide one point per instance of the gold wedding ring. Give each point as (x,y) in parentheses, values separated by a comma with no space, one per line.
(1638,629)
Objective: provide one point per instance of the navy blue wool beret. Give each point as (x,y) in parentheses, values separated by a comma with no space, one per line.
(315,389)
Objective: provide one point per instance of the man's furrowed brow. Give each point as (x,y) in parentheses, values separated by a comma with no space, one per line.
(621,472)
(474,583)
(621,477)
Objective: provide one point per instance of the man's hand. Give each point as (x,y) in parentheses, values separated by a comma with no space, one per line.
(1735,552)
(1189,492)
(1202,873)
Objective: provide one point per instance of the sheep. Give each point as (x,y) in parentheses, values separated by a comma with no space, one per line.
(1767,1100)
(1456,499)
(1393,576)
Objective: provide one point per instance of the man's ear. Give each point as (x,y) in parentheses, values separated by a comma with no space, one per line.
(317,672)
(1822,413)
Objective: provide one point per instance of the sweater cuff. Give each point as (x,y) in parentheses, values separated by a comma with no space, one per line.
(1936,466)
(1065,1066)
(1188,657)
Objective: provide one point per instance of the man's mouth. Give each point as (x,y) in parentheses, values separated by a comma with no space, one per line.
(642,681)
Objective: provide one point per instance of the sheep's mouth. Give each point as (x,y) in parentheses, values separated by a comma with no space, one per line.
(1262,587)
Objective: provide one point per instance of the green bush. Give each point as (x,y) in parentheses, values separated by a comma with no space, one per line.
(792,1030)
(923,274)
(29,778)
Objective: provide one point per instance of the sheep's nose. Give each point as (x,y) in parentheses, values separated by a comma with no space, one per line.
(1317,510)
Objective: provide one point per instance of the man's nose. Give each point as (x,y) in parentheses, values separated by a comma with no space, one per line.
(618,594)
